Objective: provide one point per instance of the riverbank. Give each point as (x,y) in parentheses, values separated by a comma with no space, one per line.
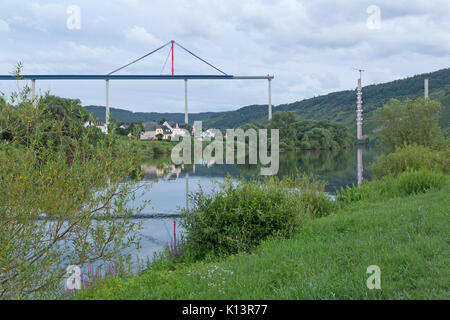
(151,148)
(407,237)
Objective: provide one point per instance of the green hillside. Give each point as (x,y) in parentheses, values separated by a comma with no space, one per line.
(337,106)
(129,116)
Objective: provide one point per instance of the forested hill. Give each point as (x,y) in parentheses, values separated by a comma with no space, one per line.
(121,115)
(337,106)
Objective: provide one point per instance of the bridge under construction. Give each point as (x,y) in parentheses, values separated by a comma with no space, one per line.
(172,76)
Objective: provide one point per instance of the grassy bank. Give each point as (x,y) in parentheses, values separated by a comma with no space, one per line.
(407,237)
(147,148)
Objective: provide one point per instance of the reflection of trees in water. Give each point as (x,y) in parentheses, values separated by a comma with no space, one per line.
(338,167)
(349,175)
(312,162)
(315,162)
(328,165)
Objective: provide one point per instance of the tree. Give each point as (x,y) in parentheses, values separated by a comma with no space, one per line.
(285,122)
(409,122)
(136,128)
(318,138)
(252,125)
(63,108)
(68,112)
(63,198)
(113,124)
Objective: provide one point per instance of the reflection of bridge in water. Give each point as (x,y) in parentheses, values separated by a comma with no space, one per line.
(166,172)
(169,172)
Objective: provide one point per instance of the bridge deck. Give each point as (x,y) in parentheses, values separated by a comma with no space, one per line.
(129,77)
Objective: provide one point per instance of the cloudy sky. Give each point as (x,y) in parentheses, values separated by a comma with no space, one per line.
(310,46)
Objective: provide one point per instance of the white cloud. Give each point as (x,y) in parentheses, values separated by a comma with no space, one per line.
(45,17)
(85,52)
(47,10)
(142,36)
(134,3)
(4,26)
(310,46)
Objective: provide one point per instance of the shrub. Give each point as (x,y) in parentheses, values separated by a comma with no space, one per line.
(240,214)
(444,160)
(367,190)
(352,193)
(412,157)
(156,149)
(409,122)
(406,183)
(412,182)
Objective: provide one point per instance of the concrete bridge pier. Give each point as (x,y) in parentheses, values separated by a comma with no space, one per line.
(107,103)
(186,115)
(33,92)
(269,79)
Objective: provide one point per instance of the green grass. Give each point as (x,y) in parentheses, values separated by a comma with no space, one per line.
(407,237)
(147,148)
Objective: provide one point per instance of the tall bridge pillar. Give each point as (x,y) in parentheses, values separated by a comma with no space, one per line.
(33,92)
(186,115)
(270,97)
(107,103)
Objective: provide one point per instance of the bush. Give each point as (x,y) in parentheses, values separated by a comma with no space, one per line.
(411,157)
(368,190)
(239,215)
(409,122)
(412,182)
(404,184)
(156,149)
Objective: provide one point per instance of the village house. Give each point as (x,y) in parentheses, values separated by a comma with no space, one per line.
(153,129)
(175,128)
(98,124)
(167,132)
